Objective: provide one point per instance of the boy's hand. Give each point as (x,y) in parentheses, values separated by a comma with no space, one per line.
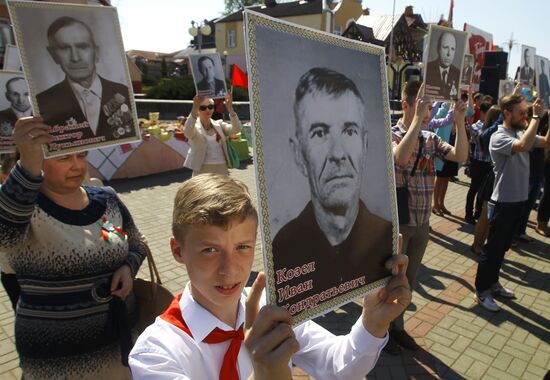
(268,336)
(383,306)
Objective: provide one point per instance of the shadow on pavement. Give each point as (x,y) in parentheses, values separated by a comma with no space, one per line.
(161,179)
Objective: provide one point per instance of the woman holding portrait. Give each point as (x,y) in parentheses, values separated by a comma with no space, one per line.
(75,250)
(207,137)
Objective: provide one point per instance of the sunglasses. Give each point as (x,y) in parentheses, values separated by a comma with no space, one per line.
(204,108)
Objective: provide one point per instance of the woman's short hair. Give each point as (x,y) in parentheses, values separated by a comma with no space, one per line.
(210,199)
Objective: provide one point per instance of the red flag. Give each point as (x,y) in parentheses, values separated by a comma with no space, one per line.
(239,78)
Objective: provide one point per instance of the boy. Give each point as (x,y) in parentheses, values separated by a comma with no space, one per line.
(214,227)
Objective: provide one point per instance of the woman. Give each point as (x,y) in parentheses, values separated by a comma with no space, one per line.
(75,250)
(208,153)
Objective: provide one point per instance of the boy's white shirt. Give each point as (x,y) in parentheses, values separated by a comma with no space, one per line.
(163,351)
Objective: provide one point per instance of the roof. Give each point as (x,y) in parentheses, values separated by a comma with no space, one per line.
(294,8)
(381,24)
(184,54)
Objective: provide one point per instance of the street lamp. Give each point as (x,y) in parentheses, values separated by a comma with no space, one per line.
(199,30)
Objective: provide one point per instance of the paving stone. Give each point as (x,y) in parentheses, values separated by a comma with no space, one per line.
(476,370)
(517,367)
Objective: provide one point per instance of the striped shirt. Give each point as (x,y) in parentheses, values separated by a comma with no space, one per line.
(421,185)
(476,153)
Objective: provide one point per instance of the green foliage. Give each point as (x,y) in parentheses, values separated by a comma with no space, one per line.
(173,88)
(234,5)
(163,68)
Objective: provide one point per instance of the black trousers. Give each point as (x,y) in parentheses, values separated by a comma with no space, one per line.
(478,171)
(9,281)
(544,206)
(504,219)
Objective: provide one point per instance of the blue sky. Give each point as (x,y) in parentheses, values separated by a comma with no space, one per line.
(161,25)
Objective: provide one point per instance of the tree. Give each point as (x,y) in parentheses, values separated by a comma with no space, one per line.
(234,5)
(163,68)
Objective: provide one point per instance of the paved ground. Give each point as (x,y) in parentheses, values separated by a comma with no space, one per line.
(458,338)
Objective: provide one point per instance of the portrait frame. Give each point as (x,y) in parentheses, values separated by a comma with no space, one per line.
(506,87)
(467,76)
(431,74)
(12,60)
(533,52)
(542,78)
(7,116)
(220,90)
(117,122)
(282,190)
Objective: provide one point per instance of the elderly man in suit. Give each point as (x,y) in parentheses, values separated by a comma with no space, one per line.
(101,106)
(526,72)
(442,77)
(17,93)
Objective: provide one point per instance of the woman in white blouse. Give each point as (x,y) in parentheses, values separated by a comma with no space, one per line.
(208,152)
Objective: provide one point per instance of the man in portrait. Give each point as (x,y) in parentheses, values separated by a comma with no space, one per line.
(17,93)
(544,86)
(209,86)
(527,72)
(468,71)
(84,95)
(441,73)
(335,230)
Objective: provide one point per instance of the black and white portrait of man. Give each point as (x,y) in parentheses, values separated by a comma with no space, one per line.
(208,74)
(77,73)
(14,104)
(323,168)
(527,68)
(444,57)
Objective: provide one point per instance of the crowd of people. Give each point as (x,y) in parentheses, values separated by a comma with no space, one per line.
(70,251)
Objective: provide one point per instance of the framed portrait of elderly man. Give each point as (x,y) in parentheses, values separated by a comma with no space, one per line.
(324,170)
(74,62)
(208,75)
(526,72)
(467,70)
(14,104)
(443,59)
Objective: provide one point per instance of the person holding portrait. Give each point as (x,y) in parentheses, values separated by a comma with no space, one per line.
(208,137)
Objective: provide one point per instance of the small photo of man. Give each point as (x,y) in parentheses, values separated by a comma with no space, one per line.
(468,70)
(14,104)
(208,75)
(443,57)
(505,88)
(543,85)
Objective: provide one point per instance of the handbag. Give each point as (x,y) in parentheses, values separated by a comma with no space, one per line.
(152,299)
(234,161)
(402,192)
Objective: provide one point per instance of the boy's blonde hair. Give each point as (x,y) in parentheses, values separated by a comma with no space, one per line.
(210,199)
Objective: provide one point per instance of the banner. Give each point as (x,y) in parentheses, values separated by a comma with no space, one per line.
(479,41)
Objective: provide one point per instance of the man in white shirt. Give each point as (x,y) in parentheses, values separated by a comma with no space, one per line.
(99,106)
(200,335)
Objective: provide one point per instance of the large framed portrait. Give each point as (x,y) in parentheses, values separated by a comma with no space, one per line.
(542,75)
(322,143)
(505,88)
(12,61)
(526,73)
(14,103)
(443,58)
(207,70)
(76,67)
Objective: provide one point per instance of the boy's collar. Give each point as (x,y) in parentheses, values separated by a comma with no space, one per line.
(200,321)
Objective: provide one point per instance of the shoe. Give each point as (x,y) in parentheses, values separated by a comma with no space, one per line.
(487,302)
(473,250)
(445,211)
(524,238)
(437,211)
(542,231)
(470,220)
(392,347)
(404,339)
(501,291)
